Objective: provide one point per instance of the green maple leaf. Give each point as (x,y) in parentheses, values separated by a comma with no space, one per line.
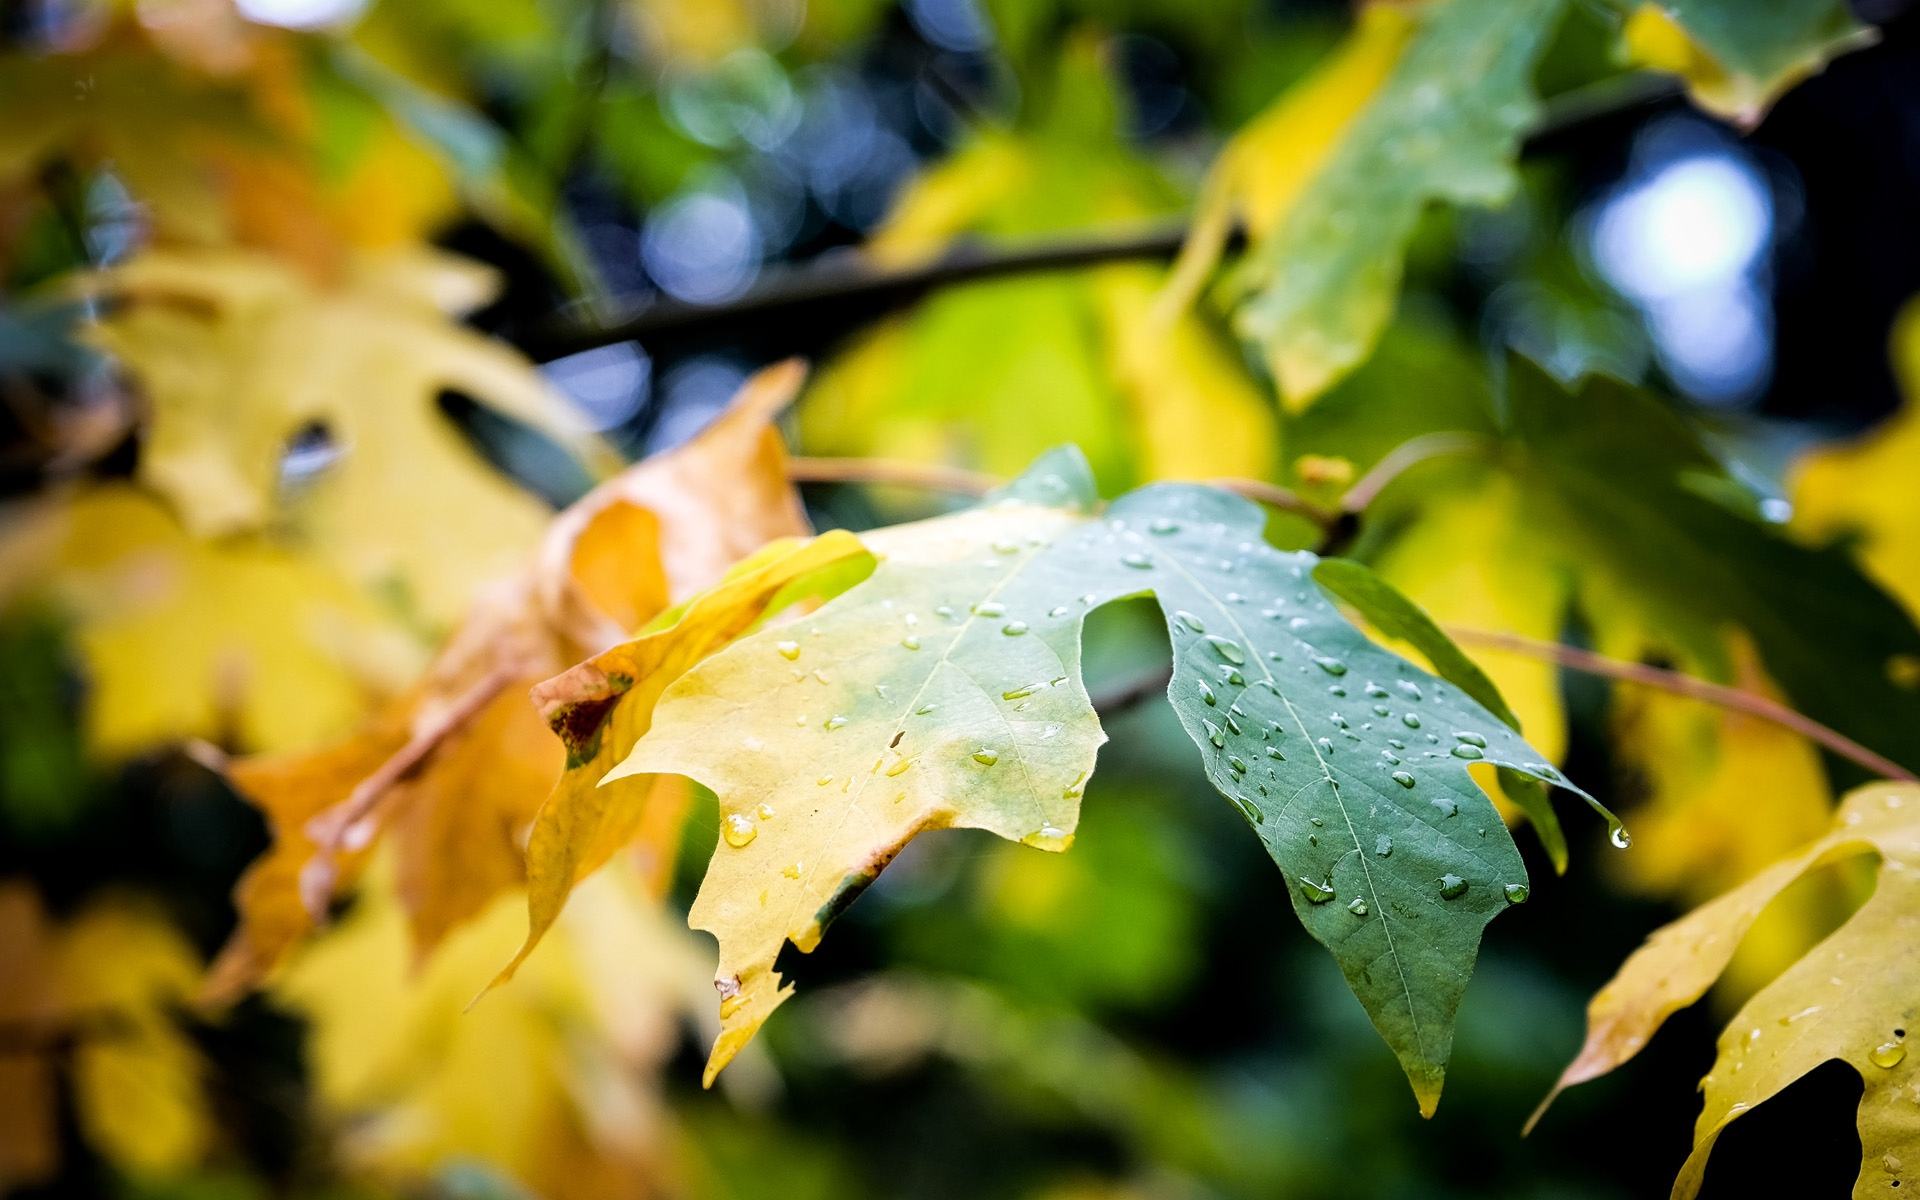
(944,690)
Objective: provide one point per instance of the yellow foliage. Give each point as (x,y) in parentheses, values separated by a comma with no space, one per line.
(552,1081)
(235,641)
(109,981)
(1865,491)
(236,353)
(1849,998)
(452,773)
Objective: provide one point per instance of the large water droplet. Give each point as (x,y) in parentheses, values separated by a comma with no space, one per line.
(1887,1055)
(1190,621)
(1470,738)
(1137,560)
(1410,720)
(1618,835)
(1331,666)
(1206,694)
(1049,837)
(1021,692)
(1516,893)
(1164,526)
(911,642)
(1448,807)
(836,722)
(899,767)
(1014,628)
(1383,845)
(792,870)
(1274,752)
(1238,764)
(1215,734)
(986,757)
(1358,907)
(989,608)
(788,650)
(1228,649)
(1465,751)
(738,830)
(1452,887)
(1316,893)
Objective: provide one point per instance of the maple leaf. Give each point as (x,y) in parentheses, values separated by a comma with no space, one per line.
(1848,999)
(237,353)
(944,690)
(452,772)
(106,981)
(259,647)
(1425,102)
(1736,59)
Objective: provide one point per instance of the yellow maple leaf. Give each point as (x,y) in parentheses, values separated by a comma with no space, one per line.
(236,353)
(236,641)
(1847,999)
(452,773)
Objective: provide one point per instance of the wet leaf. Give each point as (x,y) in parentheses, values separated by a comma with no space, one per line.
(452,773)
(944,690)
(1847,999)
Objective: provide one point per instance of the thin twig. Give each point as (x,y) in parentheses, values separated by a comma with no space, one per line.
(341,827)
(1274,496)
(1678,684)
(932,477)
(1124,696)
(846,279)
(937,477)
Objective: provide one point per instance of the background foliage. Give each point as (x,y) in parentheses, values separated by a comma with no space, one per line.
(328,328)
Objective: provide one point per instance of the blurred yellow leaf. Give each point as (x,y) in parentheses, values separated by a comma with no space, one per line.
(452,773)
(108,982)
(1738,59)
(1864,492)
(554,1081)
(237,641)
(237,353)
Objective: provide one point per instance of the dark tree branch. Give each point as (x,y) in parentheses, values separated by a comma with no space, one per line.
(863,291)
(844,278)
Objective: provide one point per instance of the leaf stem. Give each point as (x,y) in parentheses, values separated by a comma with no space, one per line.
(1739,700)
(1400,459)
